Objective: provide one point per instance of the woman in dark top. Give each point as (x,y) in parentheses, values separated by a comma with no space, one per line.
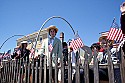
(22,52)
(122,8)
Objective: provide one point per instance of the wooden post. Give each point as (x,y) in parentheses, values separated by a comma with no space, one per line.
(22,67)
(14,71)
(18,69)
(56,69)
(25,69)
(41,70)
(69,69)
(96,68)
(32,81)
(36,72)
(3,73)
(110,67)
(86,68)
(62,69)
(77,67)
(50,68)
(7,75)
(9,70)
(122,66)
(29,69)
(45,69)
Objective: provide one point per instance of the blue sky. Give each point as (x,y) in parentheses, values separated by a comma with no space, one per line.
(88,17)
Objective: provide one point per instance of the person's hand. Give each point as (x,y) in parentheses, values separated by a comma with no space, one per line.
(122,7)
(36,57)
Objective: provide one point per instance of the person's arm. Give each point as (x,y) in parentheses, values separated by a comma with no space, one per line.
(122,9)
(123,23)
(59,49)
(27,55)
(59,52)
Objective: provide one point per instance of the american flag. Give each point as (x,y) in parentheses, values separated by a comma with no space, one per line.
(50,47)
(7,54)
(115,32)
(115,45)
(76,42)
(32,53)
(104,33)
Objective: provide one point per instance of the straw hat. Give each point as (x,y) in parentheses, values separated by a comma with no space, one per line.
(52,27)
(101,38)
(105,38)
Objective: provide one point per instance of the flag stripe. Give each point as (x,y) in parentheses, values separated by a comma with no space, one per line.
(104,33)
(32,52)
(76,43)
(50,47)
(118,35)
(115,34)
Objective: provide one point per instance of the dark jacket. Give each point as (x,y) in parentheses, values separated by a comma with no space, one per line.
(24,54)
(123,28)
(65,54)
(123,23)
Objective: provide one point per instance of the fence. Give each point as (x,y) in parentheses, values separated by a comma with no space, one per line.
(37,71)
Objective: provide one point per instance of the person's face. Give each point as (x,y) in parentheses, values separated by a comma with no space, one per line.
(103,41)
(123,4)
(65,47)
(52,33)
(25,45)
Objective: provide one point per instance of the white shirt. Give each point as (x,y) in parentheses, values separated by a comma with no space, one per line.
(73,59)
(51,40)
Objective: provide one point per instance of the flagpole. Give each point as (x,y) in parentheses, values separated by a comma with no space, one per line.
(113,22)
(111,26)
(108,41)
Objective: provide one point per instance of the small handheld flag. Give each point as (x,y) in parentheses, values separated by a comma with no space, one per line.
(115,33)
(76,42)
(50,47)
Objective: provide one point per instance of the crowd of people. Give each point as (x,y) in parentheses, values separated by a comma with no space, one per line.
(55,47)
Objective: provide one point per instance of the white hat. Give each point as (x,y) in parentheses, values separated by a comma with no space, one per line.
(24,42)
